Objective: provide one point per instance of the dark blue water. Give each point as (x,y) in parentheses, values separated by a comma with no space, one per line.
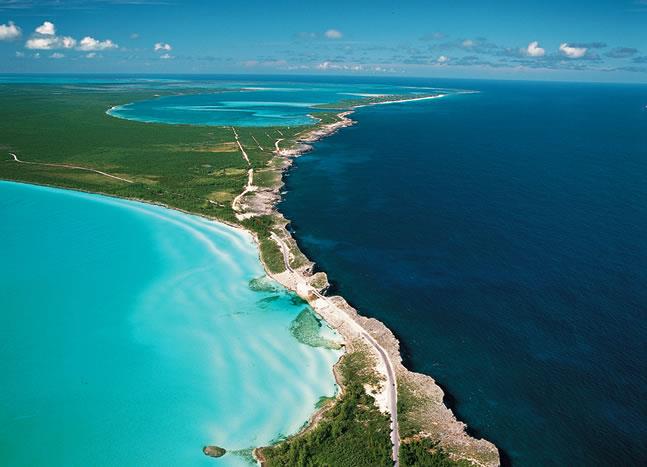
(503,237)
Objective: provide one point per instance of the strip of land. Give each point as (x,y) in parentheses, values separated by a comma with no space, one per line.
(428,415)
(235,176)
(350,330)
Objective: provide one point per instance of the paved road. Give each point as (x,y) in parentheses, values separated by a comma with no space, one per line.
(391,388)
(392,393)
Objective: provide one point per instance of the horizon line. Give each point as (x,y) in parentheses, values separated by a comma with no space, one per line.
(228,74)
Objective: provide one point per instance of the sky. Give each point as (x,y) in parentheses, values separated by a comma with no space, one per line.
(579,40)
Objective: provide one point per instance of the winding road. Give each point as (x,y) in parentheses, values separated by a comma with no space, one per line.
(391,387)
(250,175)
(276,145)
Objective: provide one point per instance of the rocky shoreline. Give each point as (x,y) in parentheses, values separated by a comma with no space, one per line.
(433,419)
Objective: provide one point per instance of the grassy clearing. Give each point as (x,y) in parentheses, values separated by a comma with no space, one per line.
(266,178)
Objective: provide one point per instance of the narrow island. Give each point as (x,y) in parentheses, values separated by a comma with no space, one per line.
(384,413)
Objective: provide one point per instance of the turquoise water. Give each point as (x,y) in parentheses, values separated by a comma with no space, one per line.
(251,104)
(500,235)
(227,108)
(129,335)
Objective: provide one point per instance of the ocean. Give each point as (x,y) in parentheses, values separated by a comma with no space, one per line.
(500,234)
(135,335)
(503,237)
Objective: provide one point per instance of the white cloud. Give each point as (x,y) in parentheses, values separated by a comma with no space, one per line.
(134,35)
(20,54)
(9,31)
(333,34)
(89,44)
(533,50)
(166,56)
(45,38)
(163,46)
(468,43)
(57,55)
(442,59)
(572,52)
(91,55)
(40,43)
(68,42)
(46,29)
(50,42)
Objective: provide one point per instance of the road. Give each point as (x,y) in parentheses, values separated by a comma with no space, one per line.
(276,146)
(250,174)
(242,150)
(15,158)
(257,143)
(392,393)
(249,187)
(391,388)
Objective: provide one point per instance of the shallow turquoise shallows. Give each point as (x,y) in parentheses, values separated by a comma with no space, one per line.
(282,104)
(130,335)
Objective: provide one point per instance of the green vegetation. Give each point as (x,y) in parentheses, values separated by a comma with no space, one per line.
(407,404)
(266,178)
(425,453)
(329,117)
(271,255)
(192,168)
(324,401)
(171,165)
(270,251)
(349,103)
(319,281)
(351,433)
